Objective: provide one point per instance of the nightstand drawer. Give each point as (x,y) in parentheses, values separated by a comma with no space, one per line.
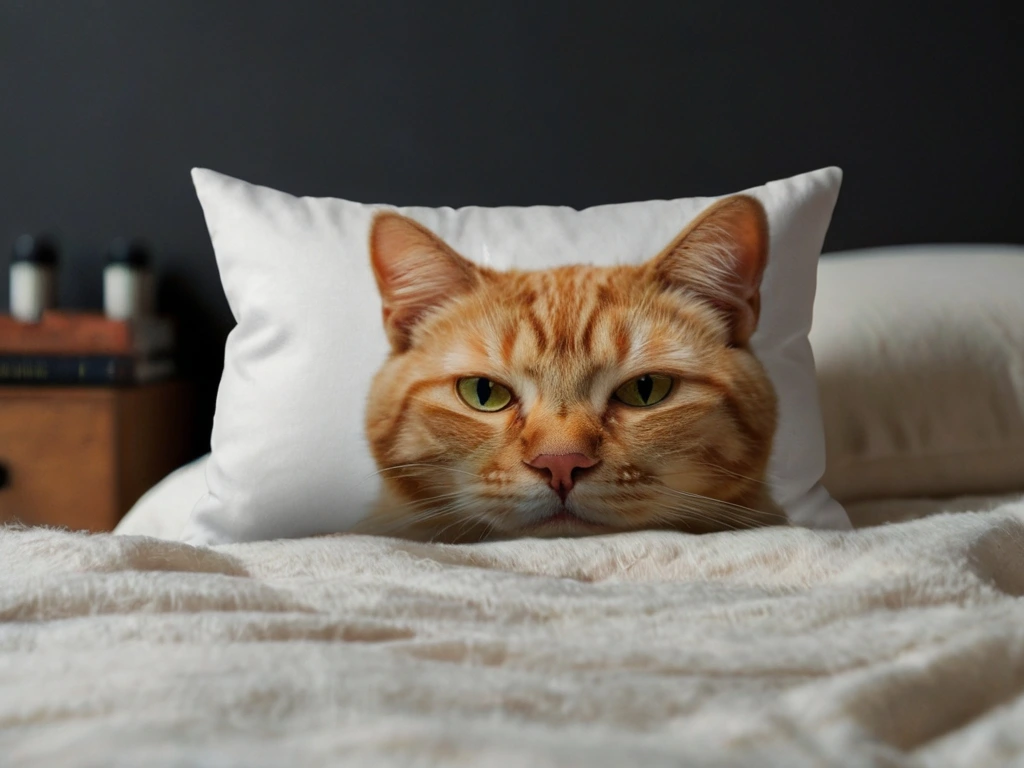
(80,457)
(59,457)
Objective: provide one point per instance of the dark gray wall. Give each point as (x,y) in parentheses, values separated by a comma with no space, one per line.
(106,106)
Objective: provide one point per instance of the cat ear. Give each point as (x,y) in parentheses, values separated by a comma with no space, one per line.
(416,272)
(721,257)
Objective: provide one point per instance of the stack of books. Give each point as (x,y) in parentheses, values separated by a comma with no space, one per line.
(85,348)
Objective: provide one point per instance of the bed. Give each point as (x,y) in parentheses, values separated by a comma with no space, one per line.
(899,643)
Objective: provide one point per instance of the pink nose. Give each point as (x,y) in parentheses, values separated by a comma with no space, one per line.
(561,467)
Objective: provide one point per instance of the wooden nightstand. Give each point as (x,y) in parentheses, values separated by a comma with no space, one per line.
(81,456)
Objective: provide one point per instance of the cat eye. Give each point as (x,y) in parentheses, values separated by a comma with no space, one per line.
(483,394)
(644,390)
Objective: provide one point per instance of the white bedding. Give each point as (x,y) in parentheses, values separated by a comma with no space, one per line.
(899,645)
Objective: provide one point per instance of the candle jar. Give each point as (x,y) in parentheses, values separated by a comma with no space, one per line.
(33,278)
(127,281)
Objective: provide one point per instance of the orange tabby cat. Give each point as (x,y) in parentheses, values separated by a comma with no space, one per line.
(576,400)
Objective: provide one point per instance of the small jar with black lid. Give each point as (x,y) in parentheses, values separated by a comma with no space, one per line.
(127,281)
(33,278)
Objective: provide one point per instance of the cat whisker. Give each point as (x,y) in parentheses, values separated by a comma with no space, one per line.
(430,500)
(722,515)
(393,528)
(725,517)
(419,515)
(693,513)
(719,503)
(425,466)
(723,470)
(661,518)
(465,522)
(490,529)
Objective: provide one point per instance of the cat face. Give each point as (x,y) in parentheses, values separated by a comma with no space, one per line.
(572,401)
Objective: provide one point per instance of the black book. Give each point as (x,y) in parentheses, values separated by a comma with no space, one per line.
(81,369)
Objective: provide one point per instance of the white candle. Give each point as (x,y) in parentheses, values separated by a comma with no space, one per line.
(33,281)
(127,282)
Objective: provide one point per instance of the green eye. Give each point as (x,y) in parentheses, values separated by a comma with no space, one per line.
(483,394)
(644,390)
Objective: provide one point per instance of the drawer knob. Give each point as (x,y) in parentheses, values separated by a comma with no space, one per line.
(5,476)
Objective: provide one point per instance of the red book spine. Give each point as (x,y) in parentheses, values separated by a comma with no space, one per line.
(68,333)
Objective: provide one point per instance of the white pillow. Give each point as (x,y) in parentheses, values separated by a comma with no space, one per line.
(920,356)
(289,455)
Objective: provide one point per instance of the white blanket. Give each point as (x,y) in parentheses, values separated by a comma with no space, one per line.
(895,645)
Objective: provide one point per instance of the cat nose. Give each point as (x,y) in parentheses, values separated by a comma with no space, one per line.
(561,466)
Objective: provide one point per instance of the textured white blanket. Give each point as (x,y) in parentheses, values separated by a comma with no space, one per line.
(895,645)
